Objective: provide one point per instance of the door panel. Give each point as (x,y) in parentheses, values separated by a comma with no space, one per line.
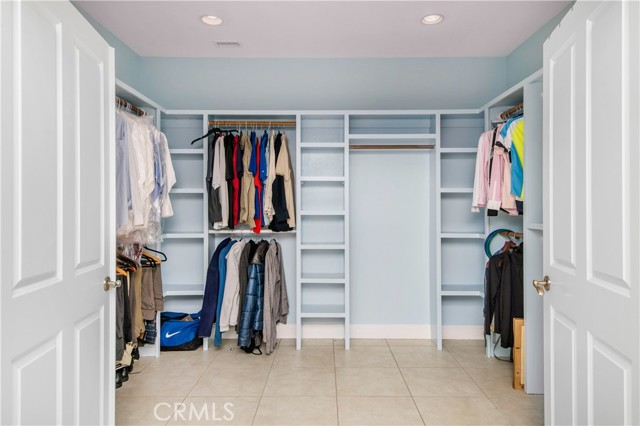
(564,385)
(36,47)
(57,232)
(599,300)
(607,149)
(37,362)
(89,83)
(89,333)
(562,146)
(609,385)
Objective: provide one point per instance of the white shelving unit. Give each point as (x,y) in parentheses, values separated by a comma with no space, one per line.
(129,94)
(459,234)
(322,243)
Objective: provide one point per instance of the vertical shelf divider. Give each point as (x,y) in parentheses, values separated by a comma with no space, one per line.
(299,233)
(347,316)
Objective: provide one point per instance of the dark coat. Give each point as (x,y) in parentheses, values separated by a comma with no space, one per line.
(252,308)
(210,300)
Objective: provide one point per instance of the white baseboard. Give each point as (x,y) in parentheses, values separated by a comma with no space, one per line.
(380,331)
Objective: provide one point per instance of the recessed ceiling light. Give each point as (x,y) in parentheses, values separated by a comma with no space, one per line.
(435,18)
(211,20)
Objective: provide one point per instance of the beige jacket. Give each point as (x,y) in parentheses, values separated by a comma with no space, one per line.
(247,197)
(283,168)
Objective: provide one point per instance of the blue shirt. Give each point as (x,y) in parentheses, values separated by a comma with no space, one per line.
(222,267)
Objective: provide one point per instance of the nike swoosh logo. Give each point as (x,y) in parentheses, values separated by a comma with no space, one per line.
(168,335)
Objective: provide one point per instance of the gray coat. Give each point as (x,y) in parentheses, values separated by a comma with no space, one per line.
(276,302)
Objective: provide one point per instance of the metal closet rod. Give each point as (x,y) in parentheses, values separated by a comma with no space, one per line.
(390,147)
(511,111)
(253,123)
(130,106)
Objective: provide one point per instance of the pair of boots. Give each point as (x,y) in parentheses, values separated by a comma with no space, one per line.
(122,371)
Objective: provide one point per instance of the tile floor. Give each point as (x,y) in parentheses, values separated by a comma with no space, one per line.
(377,382)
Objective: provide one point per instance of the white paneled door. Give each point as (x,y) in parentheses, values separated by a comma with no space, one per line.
(56,216)
(592,216)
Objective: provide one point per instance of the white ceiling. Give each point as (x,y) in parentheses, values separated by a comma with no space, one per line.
(321,29)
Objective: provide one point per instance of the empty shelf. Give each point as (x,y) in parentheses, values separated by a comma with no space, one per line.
(322,213)
(323,278)
(458,150)
(183,290)
(463,290)
(322,311)
(186,151)
(184,236)
(322,179)
(535,226)
(321,246)
(462,235)
(322,145)
(187,191)
(382,136)
(456,190)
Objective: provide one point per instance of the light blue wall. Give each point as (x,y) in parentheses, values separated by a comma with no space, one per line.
(527,58)
(208,83)
(127,61)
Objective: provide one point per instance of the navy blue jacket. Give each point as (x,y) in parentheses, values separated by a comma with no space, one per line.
(210,301)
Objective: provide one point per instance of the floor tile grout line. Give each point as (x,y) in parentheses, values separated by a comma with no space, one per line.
(273,361)
(415,404)
(335,377)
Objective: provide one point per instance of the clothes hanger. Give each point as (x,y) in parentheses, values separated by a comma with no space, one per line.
(152,257)
(209,133)
(120,271)
(127,262)
(164,256)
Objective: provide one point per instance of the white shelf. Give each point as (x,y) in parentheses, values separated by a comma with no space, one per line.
(189,151)
(187,191)
(456,190)
(247,232)
(322,213)
(393,136)
(183,236)
(334,145)
(322,179)
(322,311)
(476,290)
(458,150)
(321,246)
(169,290)
(535,226)
(323,278)
(461,235)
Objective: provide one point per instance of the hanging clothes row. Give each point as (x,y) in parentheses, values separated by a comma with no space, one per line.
(504,294)
(138,299)
(250,181)
(499,177)
(144,177)
(246,288)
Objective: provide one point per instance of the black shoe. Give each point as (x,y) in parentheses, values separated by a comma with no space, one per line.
(118,379)
(130,366)
(135,354)
(124,375)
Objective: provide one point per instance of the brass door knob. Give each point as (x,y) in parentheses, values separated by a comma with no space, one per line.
(542,286)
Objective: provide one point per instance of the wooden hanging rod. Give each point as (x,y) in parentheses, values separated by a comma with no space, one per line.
(273,124)
(390,147)
(511,111)
(130,107)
